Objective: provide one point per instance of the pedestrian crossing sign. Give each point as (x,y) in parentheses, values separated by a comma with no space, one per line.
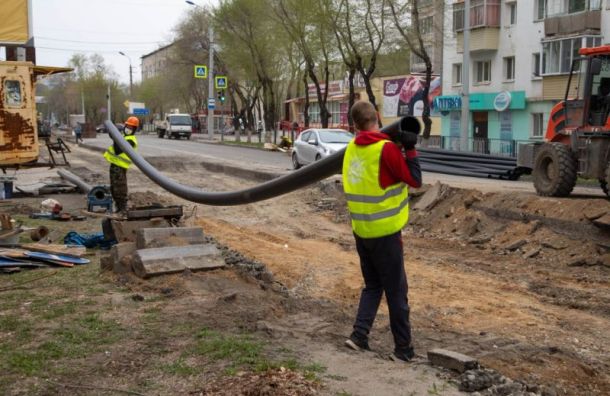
(201,71)
(221,82)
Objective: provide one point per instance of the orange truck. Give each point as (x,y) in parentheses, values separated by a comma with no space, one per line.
(577,140)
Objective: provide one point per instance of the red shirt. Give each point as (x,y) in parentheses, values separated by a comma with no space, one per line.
(393,167)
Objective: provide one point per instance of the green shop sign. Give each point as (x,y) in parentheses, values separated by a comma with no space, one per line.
(499,101)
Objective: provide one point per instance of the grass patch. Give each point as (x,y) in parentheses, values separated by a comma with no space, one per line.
(179,367)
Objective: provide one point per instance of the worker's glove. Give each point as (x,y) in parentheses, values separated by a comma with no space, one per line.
(408,140)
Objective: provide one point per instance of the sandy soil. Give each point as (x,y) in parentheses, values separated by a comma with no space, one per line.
(538,313)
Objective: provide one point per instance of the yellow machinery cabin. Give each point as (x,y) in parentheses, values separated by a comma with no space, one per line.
(18,127)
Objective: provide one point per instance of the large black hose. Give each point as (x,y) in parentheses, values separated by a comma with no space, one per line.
(72,178)
(282,185)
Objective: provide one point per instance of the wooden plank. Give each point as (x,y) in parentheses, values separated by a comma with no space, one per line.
(66,250)
(167,260)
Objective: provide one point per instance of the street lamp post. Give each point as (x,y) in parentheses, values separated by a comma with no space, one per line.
(211,96)
(130,75)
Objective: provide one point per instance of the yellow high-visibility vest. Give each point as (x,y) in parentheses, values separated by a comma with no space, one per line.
(121,160)
(375,212)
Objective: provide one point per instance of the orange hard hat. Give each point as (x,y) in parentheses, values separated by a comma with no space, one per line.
(133,122)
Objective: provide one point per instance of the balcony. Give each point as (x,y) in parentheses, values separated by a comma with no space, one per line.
(484,25)
(483,13)
(582,22)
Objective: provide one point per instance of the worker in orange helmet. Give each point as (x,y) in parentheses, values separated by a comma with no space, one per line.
(119,163)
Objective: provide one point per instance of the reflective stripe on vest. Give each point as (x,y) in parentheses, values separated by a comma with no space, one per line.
(375,212)
(122,160)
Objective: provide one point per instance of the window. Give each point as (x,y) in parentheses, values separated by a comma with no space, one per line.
(576,6)
(12,96)
(426,25)
(538,125)
(540,10)
(482,72)
(509,68)
(457,74)
(512,13)
(557,56)
(536,64)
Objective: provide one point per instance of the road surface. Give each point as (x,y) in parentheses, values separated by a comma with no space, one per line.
(153,146)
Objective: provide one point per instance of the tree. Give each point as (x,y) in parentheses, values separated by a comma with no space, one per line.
(251,46)
(406,16)
(363,32)
(305,25)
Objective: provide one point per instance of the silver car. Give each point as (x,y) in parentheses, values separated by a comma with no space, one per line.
(314,144)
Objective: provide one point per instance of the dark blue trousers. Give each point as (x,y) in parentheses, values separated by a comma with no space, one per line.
(382,265)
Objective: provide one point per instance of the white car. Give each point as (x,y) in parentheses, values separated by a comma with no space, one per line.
(314,144)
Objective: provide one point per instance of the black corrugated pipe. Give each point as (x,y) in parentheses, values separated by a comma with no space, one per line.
(282,185)
(72,178)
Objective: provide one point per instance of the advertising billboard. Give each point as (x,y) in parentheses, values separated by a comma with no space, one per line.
(404,96)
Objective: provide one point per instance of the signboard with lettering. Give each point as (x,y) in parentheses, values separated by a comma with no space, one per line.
(404,96)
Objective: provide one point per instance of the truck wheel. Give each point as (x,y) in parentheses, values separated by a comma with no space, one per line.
(554,170)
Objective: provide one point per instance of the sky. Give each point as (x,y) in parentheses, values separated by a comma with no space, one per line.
(136,27)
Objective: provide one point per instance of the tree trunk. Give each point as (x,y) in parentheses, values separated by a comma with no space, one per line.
(352,98)
(371,95)
(426,112)
(306,105)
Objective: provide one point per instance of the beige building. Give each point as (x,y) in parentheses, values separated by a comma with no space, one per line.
(431,17)
(155,62)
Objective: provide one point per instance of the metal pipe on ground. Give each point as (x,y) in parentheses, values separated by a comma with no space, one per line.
(72,178)
(282,185)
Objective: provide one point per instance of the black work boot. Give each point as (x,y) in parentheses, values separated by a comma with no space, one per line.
(357,343)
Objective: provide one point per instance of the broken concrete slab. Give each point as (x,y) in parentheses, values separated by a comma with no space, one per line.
(167,260)
(452,360)
(431,197)
(511,247)
(603,222)
(118,252)
(126,231)
(169,236)
(531,253)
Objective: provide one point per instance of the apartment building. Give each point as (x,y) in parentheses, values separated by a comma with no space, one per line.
(521,53)
(431,13)
(154,63)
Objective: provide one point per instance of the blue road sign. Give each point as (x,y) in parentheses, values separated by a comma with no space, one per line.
(201,71)
(141,112)
(221,82)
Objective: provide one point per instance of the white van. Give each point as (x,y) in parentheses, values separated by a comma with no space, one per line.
(176,126)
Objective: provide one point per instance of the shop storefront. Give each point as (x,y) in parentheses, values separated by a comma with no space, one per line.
(498,121)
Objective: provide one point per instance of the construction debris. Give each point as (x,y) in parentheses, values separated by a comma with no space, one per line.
(168,260)
(452,360)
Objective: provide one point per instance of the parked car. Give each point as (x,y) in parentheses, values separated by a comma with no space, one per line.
(314,144)
(101,128)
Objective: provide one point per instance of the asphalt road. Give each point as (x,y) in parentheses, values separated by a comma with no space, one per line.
(153,146)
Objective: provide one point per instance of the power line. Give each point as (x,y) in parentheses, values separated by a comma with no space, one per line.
(99,42)
(94,51)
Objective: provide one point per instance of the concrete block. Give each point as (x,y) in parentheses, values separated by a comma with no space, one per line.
(118,253)
(167,260)
(431,197)
(125,231)
(452,360)
(168,236)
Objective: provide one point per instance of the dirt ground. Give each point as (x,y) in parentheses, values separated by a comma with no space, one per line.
(517,281)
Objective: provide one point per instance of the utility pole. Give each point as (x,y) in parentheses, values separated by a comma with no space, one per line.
(108,104)
(211,84)
(130,75)
(466,80)
(82,102)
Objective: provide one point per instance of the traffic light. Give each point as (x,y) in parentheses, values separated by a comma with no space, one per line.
(221,96)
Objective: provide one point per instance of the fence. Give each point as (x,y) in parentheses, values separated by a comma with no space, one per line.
(501,147)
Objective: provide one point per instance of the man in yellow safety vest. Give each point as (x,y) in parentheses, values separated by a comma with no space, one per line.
(376,176)
(119,163)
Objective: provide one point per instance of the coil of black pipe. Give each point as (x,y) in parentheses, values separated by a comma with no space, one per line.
(273,188)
